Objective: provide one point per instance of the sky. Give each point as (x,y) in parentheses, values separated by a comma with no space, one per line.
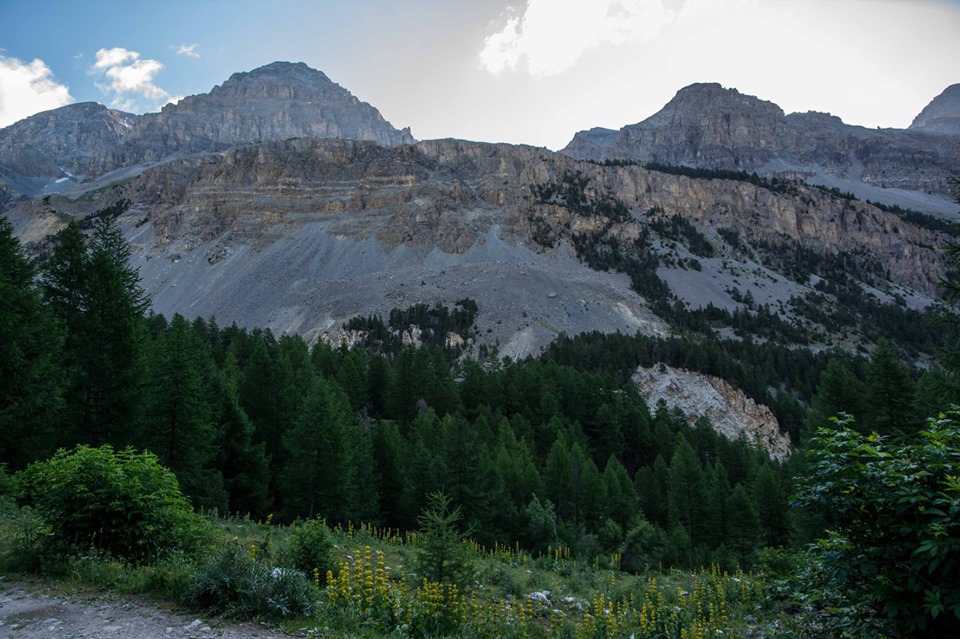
(520,71)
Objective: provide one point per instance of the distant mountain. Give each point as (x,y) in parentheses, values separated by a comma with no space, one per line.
(236,207)
(62,144)
(942,115)
(708,126)
(275,102)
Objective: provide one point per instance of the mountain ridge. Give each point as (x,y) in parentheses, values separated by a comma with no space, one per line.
(276,101)
(707,126)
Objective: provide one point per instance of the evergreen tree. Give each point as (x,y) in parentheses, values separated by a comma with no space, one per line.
(442,556)
(31,395)
(558,478)
(388,455)
(743,524)
(319,474)
(97,295)
(771,505)
(243,464)
(890,393)
(686,495)
(839,391)
(178,423)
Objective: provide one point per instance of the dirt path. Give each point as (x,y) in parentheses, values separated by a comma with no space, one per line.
(28,611)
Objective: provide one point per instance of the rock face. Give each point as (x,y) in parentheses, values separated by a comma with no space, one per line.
(275,102)
(302,234)
(708,126)
(65,143)
(731,413)
(278,101)
(942,115)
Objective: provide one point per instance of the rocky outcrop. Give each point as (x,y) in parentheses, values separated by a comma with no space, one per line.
(942,115)
(275,102)
(708,126)
(62,144)
(300,235)
(730,411)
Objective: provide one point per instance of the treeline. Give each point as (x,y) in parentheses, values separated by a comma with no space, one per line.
(535,451)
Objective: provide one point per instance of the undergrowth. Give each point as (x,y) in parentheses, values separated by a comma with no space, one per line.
(365,583)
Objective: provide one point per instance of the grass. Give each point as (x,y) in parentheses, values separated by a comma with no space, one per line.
(373,590)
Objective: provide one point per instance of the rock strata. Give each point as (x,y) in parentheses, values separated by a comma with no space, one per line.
(708,126)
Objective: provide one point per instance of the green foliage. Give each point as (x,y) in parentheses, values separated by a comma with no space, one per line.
(434,322)
(93,291)
(309,547)
(31,394)
(124,503)
(234,584)
(442,556)
(894,510)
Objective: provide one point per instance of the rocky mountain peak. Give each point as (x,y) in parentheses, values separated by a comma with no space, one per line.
(942,115)
(710,127)
(281,81)
(275,102)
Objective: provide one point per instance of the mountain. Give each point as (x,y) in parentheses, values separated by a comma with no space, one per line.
(942,115)
(237,206)
(301,235)
(60,145)
(708,126)
(274,102)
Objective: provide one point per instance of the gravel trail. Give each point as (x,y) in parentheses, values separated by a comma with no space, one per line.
(30,611)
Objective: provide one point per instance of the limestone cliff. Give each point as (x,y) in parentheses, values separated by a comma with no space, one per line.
(302,234)
(708,126)
(942,115)
(62,144)
(730,411)
(275,102)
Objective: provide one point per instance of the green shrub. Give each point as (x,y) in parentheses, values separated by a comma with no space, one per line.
(308,548)
(892,555)
(232,583)
(123,503)
(25,542)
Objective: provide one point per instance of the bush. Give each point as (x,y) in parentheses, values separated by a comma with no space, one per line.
(232,583)
(893,551)
(122,503)
(309,548)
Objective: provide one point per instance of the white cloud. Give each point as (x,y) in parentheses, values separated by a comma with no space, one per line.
(129,77)
(107,58)
(28,88)
(188,50)
(551,35)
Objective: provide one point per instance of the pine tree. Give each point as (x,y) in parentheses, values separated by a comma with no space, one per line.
(31,395)
(743,523)
(97,295)
(890,393)
(686,495)
(319,475)
(243,464)
(839,391)
(771,505)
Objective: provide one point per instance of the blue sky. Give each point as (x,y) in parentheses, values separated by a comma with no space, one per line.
(526,71)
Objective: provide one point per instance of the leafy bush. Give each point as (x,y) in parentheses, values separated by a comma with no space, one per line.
(309,548)
(893,554)
(232,583)
(124,503)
